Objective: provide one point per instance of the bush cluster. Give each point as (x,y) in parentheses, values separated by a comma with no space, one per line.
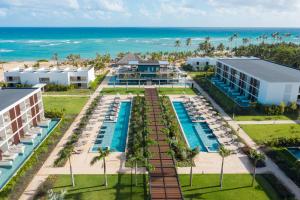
(54,113)
(281,109)
(283,142)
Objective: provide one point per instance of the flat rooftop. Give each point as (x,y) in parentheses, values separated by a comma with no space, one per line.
(10,96)
(263,70)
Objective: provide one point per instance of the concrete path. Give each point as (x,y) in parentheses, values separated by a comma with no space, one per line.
(271,167)
(41,176)
(270,122)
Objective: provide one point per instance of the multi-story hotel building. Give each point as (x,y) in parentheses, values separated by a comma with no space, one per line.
(134,70)
(21,118)
(80,77)
(248,80)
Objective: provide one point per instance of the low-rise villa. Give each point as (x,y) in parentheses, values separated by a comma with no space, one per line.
(68,75)
(133,70)
(247,80)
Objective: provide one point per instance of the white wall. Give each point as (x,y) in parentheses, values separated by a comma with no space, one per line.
(202,61)
(275,93)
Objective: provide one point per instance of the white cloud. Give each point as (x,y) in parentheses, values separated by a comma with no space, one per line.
(112,5)
(3,12)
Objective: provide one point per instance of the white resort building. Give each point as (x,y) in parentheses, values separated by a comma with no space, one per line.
(22,128)
(80,77)
(248,80)
(198,63)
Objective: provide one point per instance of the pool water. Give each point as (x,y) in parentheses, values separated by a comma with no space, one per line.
(115,133)
(295,151)
(8,172)
(197,134)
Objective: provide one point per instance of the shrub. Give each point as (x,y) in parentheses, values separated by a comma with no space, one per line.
(283,142)
(57,88)
(54,113)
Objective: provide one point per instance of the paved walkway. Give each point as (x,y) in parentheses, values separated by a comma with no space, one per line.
(270,122)
(271,167)
(41,176)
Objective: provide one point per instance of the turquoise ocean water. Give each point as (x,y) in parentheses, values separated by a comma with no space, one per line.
(41,43)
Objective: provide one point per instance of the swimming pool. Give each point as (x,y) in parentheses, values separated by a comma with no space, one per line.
(295,151)
(114,134)
(197,134)
(8,172)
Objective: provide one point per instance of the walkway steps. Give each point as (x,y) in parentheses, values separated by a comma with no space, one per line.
(164,183)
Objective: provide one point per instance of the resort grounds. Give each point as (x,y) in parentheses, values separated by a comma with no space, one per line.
(121,177)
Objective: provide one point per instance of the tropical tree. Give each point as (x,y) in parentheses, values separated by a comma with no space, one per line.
(55,57)
(192,153)
(102,154)
(245,41)
(223,153)
(135,158)
(221,47)
(235,37)
(256,157)
(177,44)
(206,47)
(68,152)
(188,42)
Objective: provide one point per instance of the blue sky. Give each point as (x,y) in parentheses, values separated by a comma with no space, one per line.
(202,13)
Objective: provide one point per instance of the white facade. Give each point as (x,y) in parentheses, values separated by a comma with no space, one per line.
(80,77)
(198,63)
(284,88)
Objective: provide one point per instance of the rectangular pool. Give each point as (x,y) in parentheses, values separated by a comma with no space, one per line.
(115,133)
(295,151)
(197,134)
(8,172)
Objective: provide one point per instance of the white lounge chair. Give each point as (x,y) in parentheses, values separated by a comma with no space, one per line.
(19,148)
(6,163)
(44,122)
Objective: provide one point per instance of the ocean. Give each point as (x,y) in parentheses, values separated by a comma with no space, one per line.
(41,43)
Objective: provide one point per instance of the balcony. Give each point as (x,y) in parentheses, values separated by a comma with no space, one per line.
(13,79)
(78,79)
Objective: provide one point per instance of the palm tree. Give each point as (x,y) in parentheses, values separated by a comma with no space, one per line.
(102,155)
(188,42)
(235,37)
(192,153)
(256,156)
(245,41)
(177,44)
(68,152)
(135,158)
(223,153)
(221,47)
(55,57)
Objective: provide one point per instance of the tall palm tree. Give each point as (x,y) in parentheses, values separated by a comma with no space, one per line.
(102,154)
(235,37)
(256,156)
(188,42)
(177,44)
(68,152)
(55,57)
(192,153)
(135,158)
(245,41)
(223,153)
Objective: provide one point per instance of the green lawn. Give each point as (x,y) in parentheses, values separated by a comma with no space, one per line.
(265,132)
(90,187)
(193,74)
(235,187)
(71,92)
(261,117)
(72,105)
(140,91)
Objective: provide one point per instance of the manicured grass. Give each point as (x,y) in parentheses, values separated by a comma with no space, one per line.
(72,105)
(71,92)
(235,187)
(261,117)
(140,91)
(90,187)
(264,132)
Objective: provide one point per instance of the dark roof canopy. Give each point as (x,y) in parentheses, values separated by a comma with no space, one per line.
(263,70)
(10,96)
(129,57)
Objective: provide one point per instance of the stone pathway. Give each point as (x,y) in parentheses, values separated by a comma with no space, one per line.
(271,167)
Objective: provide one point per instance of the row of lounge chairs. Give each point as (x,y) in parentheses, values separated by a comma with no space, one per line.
(200,110)
(10,155)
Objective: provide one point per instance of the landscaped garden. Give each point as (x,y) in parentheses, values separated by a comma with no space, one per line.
(140,91)
(205,186)
(266,132)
